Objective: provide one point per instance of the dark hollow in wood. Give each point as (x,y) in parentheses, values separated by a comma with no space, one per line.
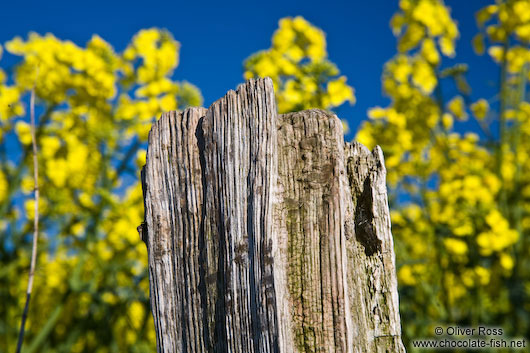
(267,232)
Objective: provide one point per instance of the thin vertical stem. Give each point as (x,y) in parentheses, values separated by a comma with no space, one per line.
(35,221)
(502,124)
(518,211)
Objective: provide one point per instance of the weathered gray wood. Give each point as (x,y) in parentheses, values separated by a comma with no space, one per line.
(173,200)
(372,282)
(266,232)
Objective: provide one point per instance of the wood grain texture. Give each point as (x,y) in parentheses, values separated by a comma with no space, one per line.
(371,280)
(173,198)
(311,163)
(266,232)
(240,142)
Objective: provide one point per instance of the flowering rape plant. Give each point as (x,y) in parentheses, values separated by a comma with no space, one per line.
(96,108)
(297,63)
(457,170)
(460,208)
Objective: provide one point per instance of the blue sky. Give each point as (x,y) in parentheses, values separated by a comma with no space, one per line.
(217,36)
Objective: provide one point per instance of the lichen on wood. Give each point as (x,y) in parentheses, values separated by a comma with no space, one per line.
(267,232)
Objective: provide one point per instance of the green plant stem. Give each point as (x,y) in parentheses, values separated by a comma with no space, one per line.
(518,211)
(35,221)
(516,278)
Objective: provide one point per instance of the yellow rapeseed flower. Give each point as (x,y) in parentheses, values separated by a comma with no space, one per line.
(423,75)
(339,92)
(23,131)
(456,246)
(447,121)
(429,51)
(523,32)
(296,62)
(480,109)
(484,14)
(136,312)
(483,275)
(406,276)
(506,261)
(457,107)
(377,113)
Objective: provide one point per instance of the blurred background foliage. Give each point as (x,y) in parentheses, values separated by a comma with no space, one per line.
(460,196)
(460,199)
(95,109)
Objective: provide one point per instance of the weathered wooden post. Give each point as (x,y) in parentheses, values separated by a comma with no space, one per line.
(267,232)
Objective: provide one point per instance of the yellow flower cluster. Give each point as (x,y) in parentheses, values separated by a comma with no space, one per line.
(311,41)
(297,63)
(404,127)
(516,57)
(158,52)
(425,18)
(151,59)
(510,17)
(9,99)
(462,208)
(480,108)
(458,108)
(58,68)
(499,236)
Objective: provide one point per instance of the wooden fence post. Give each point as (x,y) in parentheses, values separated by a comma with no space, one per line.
(267,232)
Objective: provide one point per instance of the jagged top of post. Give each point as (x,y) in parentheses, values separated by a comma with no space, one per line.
(264,83)
(266,86)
